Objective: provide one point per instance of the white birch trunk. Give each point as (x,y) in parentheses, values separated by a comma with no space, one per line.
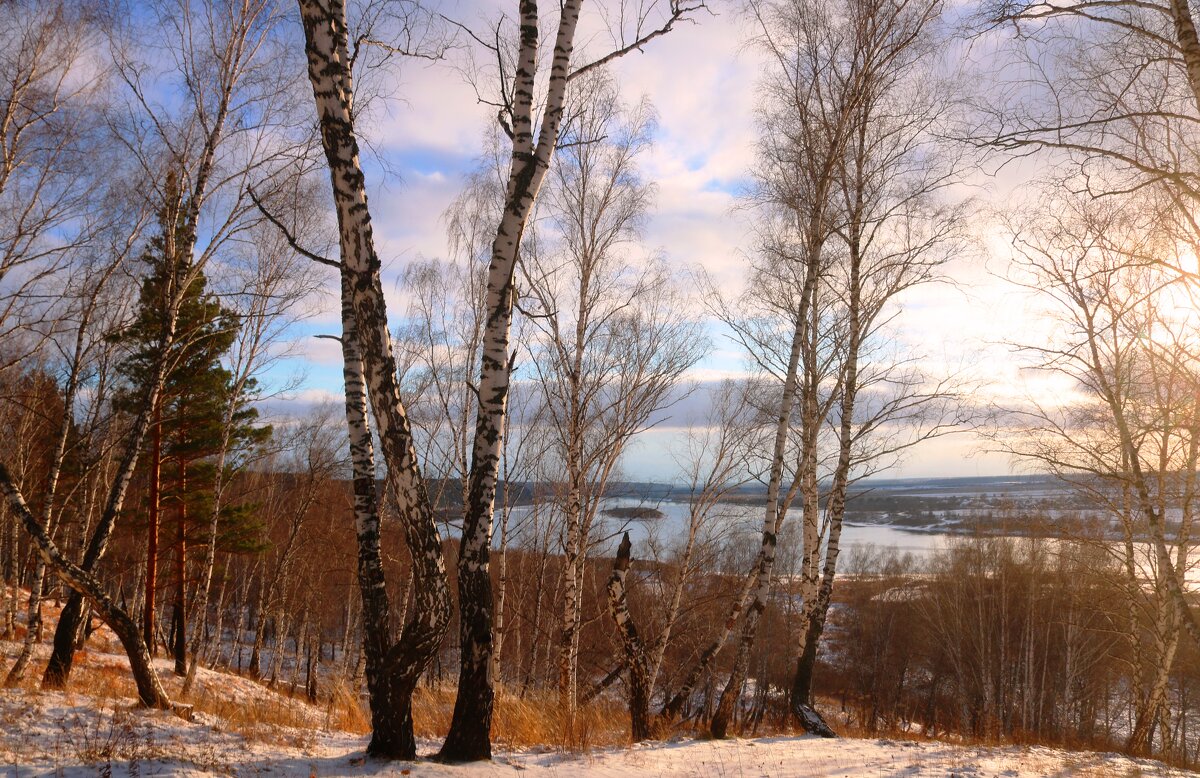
(329,73)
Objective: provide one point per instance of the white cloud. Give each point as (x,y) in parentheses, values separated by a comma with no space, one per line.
(702,81)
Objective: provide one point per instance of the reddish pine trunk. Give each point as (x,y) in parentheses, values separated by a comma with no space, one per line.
(179,642)
(152,534)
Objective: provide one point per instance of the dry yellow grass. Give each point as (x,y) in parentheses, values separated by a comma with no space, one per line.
(345,711)
(251,709)
(263,714)
(534,720)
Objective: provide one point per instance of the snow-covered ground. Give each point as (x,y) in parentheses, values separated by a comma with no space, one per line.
(243,728)
(55,734)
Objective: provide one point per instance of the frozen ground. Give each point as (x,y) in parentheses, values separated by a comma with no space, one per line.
(52,734)
(243,728)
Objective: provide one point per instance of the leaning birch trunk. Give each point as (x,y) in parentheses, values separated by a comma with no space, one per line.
(58,670)
(326,46)
(771,516)
(675,704)
(816,610)
(33,606)
(59,667)
(635,652)
(63,654)
(469,737)
(150,690)
(33,624)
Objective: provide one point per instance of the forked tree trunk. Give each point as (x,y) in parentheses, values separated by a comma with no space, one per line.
(326,46)
(1151,707)
(469,737)
(816,607)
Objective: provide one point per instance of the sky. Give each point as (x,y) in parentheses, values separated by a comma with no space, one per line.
(426,135)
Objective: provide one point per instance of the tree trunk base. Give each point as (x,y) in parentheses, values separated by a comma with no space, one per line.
(392,723)
(812,722)
(469,738)
(58,669)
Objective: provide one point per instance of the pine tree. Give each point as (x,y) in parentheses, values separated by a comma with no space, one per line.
(188,428)
(198,395)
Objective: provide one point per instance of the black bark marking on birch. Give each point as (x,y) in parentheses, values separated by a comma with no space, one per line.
(371,372)
(469,735)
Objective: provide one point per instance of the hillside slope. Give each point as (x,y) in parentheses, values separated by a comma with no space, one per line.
(241,727)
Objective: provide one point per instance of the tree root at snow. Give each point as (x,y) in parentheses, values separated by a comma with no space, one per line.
(812,722)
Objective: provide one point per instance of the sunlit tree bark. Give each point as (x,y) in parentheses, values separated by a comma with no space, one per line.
(534,141)
(364,313)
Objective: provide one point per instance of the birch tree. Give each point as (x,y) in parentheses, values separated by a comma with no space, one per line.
(897,230)
(848,184)
(1126,433)
(272,291)
(51,212)
(713,463)
(1117,110)
(611,343)
(370,371)
(328,50)
(231,122)
(54,91)
(95,303)
(819,97)
(150,690)
(535,139)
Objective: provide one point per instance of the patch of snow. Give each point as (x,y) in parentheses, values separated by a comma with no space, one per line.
(49,734)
